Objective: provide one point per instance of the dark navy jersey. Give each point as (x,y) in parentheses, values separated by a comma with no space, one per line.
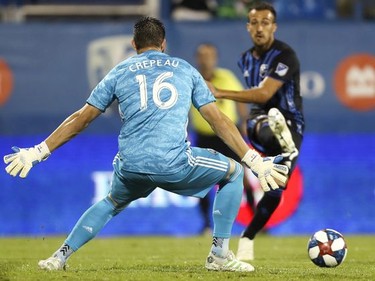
(279,62)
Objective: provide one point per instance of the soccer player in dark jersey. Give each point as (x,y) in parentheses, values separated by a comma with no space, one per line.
(276,122)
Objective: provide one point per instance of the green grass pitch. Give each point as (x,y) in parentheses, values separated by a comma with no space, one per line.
(172,258)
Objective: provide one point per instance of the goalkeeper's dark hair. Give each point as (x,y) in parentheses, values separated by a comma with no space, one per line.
(262,6)
(148,32)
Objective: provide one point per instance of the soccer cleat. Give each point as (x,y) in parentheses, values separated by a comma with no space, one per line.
(281,131)
(245,250)
(51,264)
(229,263)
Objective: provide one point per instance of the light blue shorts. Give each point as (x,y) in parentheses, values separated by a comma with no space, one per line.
(210,168)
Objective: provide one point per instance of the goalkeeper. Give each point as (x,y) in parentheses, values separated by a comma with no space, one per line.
(155,92)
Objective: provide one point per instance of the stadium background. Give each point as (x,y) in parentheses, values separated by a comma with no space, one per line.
(48,68)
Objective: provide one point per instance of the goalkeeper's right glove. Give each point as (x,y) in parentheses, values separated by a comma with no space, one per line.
(269,173)
(25,158)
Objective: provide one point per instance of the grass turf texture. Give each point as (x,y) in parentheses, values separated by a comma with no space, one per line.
(171,258)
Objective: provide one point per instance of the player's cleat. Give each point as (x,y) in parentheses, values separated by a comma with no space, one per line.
(245,250)
(229,263)
(281,131)
(51,264)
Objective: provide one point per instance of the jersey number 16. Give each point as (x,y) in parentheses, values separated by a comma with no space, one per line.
(159,85)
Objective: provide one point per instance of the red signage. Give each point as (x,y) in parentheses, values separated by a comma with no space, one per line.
(290,200)
(6,82)
(354,82)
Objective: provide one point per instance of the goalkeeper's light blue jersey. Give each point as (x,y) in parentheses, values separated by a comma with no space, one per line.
(155,92)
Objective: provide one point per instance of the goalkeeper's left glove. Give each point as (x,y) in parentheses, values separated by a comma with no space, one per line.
(25,158)
(270,174)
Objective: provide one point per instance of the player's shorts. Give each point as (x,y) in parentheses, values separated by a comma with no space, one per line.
(206,168)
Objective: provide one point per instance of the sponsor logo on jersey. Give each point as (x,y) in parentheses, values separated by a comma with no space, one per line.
(281,69)
(263,70)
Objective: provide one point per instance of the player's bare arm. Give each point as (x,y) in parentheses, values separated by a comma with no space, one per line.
(224,128)
(270,174)
(23,159)
(242,111)
(72,126)
(259,95)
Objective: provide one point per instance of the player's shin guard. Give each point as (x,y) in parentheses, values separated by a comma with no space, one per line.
(227,202)
(90,223)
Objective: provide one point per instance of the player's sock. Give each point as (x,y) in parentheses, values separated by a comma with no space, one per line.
(220,246)
(265,208)
(225,208)
(90,223)
(63,253)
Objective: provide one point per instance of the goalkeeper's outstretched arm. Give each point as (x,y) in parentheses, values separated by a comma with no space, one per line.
(72,126)
(23,159)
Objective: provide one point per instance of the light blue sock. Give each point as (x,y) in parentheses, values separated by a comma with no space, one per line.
(225,209)
(63,253)
(220,246)
(90,223)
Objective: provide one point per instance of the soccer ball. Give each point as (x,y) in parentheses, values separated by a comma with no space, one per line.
(327,248)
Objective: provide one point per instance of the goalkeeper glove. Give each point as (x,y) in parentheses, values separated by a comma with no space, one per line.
(25,158)
(269,173)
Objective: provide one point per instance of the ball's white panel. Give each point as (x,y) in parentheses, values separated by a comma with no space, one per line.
(321,236)
(329,261)
(314,252)
(338,244)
